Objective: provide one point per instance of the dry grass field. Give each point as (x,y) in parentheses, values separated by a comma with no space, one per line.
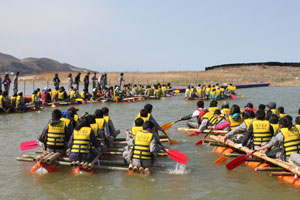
(279,76)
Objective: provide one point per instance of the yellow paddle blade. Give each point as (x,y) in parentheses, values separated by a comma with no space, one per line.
(242,96)
(167,126)
(221,159)
(172,141)
(78,99)
(177,91)
(115,98)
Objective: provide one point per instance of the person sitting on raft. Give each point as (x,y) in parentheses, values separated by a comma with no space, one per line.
(281,112)
(259,132)
(237,134)
(62,94)
(66,117)
(225,109)
(55,135)
(73,115)
(144,147)
(80,142)
(20,102)
(230,90)
(235,118)
(213,106)
(288,136)
(5,106)
(271,110)
(249,106)
(198,113)
(99,133)
(297,123)
(104,135)
(113,131)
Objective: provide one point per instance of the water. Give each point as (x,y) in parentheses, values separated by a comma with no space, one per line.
(201,179)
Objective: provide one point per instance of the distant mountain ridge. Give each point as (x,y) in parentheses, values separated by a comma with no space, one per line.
(30,65)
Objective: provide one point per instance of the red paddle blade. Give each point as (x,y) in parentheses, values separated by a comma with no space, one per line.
(28,145)
(233,97)
(177,156)
(83,102)
(200,142)
(236,162)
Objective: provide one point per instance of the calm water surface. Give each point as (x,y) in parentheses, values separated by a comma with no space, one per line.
(201,179)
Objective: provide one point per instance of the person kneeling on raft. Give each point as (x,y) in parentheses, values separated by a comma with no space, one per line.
(144,147)
(289,137)
(55,135)
(80,142)
(198,113)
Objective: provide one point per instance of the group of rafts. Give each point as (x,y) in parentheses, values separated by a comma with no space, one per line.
(253,156)
(49,161)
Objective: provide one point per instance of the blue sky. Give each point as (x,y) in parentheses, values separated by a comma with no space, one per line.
(162,35)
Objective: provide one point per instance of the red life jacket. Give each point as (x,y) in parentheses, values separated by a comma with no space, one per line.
(250,109)
(202,112)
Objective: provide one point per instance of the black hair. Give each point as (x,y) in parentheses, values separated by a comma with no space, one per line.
(297,120)
(200,104)
(5,93)
(281,109)
(148,107)
(249,114)
(225,106)
(274,119)
(260,114)
(235,109)
(262,107)
(285,123)
(144,113)
(148,125)
(98,113)
(213,103)
(139,122)
(217,112)
(56,114)
(91,119)
(56,88)
(289,118)
(105,110)
(83,122)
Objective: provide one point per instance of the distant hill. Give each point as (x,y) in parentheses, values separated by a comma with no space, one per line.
(9,63)
(264,64)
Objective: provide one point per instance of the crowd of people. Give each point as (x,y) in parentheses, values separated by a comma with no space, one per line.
(268,128)
(85,138)
(213,92)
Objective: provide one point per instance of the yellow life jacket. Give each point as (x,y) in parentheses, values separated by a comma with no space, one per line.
(199,92)
(298,127)
(33,98)
(145,119)
(66,120)
(95,128)
(261,132)
(218,91)
(212,120)
(82,94)
(275,112)
(187,92)
(19,100)
(231,88)
(1,100)
(222,90)
(39,94)
(203,89)
(282,115)
(54,94)
(136,129)
(13,100)
(233,123)
(207,91)
(142,90)
(81,140)
(141,148)
(100,122)
(72,94)
(213,109)
(61,95)
(291,140)
(226,111)
(106,118)
(76,117)
(248,122)
(275,127)
(163,89)
(116,94)
(56,135)
(213,94)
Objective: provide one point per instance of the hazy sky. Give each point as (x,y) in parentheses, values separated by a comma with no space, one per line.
(150,35)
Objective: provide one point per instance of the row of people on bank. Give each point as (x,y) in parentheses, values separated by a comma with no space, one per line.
(268,128)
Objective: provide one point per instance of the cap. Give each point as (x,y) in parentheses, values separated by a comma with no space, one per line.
(73,109)
(249,105)
(271,105)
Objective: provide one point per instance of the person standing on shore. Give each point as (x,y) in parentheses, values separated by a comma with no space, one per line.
(77,81)
(94,80)
(86,82)
(56,80)
(121,80)
(6,83)
(104,81)
(15,82)
(100,82)
(0,83)
(70,81)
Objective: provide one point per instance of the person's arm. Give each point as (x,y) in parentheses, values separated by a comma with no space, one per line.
(203,125)
(239,129)
(70,143)
(67,134)
(272,142)
(248,135)
(43,137)
(156,124)
(94,140)
(269,114)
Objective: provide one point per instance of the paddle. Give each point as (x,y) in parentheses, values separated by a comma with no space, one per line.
(200,142)
(28,145)
(168,125)
(240,95)
(238,161)
(176,156)
(170,140)
(222,159)
(233,97)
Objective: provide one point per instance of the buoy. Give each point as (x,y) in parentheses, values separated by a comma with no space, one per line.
(290,180)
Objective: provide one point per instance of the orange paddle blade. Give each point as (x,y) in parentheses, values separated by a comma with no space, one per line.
(221,159)
(167,126)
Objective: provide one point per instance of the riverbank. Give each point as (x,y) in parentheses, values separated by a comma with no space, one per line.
(277,75)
